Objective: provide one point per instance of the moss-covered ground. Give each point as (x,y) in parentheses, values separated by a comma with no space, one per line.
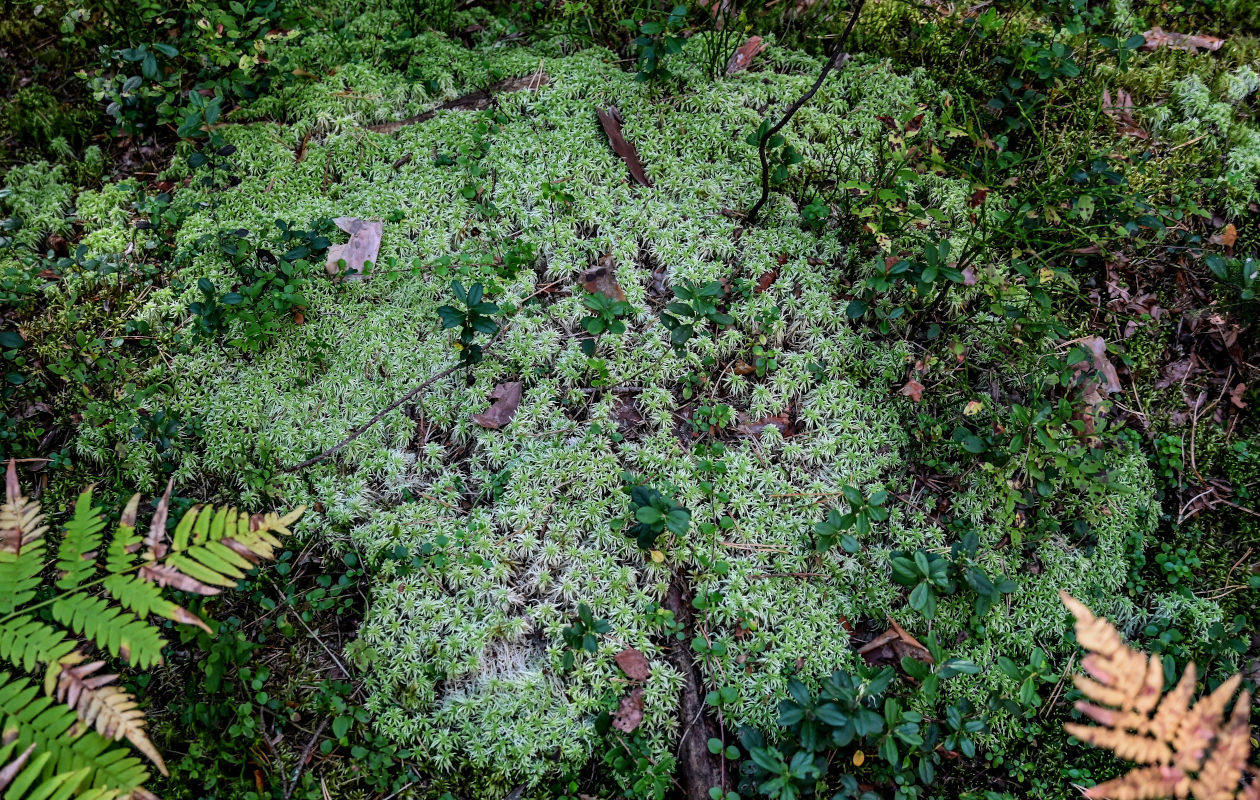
(167,315)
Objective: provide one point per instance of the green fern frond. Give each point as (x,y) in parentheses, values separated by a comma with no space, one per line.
(79,544)
(21,776)
(108,603)
(27,643)
(29,717)
(142,598)
(121,555)
(19,575)
(139,592)
(120,632)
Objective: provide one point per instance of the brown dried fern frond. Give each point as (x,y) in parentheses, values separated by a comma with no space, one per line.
(20,517)
(113,712)
(1186,749)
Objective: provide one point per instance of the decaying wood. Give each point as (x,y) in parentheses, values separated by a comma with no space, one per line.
(610,119)
(479,100)
(744,55)
(697,767)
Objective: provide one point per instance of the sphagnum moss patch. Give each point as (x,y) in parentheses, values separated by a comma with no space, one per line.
(485,542)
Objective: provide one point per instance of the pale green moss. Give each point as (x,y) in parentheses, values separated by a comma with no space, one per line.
(464,657)
(39,194)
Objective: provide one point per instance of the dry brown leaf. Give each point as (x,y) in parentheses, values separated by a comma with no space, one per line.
(610,119)
(506,397)
(634,664)
(603,278)
(892,645)
(1227,236)
(744,55)
(20,520)
(1121,110)
(1184,748)
(747,427)
(629,713)
(766,280)
(1158,37)
(364,246)
(1098,347)
(11,770)
(114,713)
(155,541)
(1236,395)
(167,575)
(914,390)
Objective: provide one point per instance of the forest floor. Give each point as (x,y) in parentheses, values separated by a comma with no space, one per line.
(606,476)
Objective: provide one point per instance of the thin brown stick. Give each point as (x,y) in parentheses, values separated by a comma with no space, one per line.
(832,58)
(359,431)
(306,754)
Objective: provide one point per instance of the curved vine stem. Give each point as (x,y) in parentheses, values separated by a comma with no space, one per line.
(834,59)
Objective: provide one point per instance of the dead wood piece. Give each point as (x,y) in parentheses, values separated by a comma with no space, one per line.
(479,100)
(697,768)
(744,55)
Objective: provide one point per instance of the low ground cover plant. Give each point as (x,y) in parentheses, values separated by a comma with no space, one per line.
(727,398)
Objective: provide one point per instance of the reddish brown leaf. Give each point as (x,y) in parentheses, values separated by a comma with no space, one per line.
(603,278)
(1236,395)
(1158,37)
(744,55)
(506,397)
(610,119)
(766,280)
(1226,237)
(914,390)
(780,421)
(634,664)
(629,713)
(364,246)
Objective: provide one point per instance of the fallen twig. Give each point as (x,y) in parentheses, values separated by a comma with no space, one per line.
(832,58)
(306,754)
(359,431)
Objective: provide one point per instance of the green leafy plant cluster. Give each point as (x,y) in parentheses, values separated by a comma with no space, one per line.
(472,316)
(652,514)
(857,730)
(930,575)
(862,512)
(695,310)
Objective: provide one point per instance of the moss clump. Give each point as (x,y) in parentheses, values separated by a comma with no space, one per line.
(484,542)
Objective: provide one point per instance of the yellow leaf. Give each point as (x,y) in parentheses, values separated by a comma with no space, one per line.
(858,758)
(657,557)
(973,408)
